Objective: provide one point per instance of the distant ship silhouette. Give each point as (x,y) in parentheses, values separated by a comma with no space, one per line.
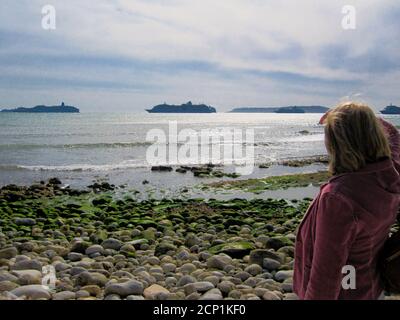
(183,108)
(45,109)
(391,110)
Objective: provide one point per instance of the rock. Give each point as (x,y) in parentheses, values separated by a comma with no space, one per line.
(33,292)
(269,295)
(128,250)
(287,251)
(242,275)
(133,297)
(28,277)
(93,290)
(283,275)
(183,255)
(201,286)
(192,240)
(226,286)
(257,256)
(82,294)
(236,250)
(94,249)
(55,181)
(111,243)
(147,277)
(278,242)
(64,295)
(235,294)
(131,287)
(161,168)
(153,261)
(80,247)
(91,278)
(8,253)
(112,297)
(193,296)
(154,290)
(168,267)
(76,270)
(271,264)
(181,170)
(7,285)
(74,256)
(27,265)
(290,296)
(6,276)
(253,269)
(213,294)
(287,286)
(163,248)
(184,280)
(25,222)
(170,282)
(187,268)
(27,247)
(219,261)
(213,279)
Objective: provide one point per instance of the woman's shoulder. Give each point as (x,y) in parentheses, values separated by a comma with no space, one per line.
(336,190)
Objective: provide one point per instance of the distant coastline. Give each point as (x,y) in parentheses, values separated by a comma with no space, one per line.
(44,109)
(289,109)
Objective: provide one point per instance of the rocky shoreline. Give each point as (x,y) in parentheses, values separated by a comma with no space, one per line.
(104,246)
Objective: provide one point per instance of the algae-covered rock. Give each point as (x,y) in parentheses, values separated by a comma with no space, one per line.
(234,249)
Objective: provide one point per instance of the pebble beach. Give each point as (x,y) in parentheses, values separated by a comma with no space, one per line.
(104,247)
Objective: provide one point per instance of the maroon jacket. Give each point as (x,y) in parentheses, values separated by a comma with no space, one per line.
(347,224)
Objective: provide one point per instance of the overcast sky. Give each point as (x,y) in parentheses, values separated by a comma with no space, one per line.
(127,55)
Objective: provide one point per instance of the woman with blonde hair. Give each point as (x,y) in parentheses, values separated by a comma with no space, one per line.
(347,224)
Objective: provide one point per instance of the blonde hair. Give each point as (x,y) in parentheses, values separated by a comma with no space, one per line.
(354,137)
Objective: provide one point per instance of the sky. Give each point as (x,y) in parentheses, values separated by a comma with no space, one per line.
(128,55)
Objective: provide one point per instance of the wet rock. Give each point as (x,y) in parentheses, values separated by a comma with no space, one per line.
(213,294)
(64,295)
(153,291)
(80,247)
(94,249)
(8,253)
(33,292)
(134,297)
(169,267)
(93,290)
(185,280)
(111,243)
(91,278)
(278,242)
(219,261)
(27,265)
(7,285)
(28,277)
(131,287)
(74,256)
(226,286)
(253,269)
(201,286)
(161,168)
(164,248)
(257,256)
(271,264)
(25,222)
(283,275)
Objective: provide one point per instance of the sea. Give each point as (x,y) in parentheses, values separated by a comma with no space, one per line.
(86,147)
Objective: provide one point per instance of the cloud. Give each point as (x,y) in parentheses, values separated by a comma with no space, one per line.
(226,52)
